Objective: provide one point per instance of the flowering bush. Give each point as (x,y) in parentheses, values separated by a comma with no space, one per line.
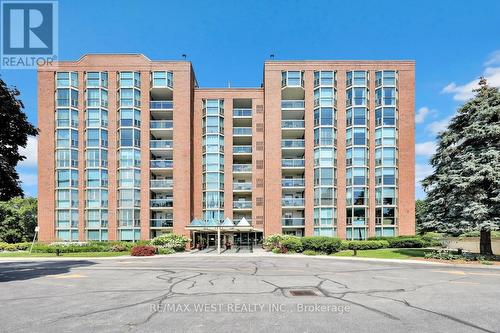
(143,250)
(172,241)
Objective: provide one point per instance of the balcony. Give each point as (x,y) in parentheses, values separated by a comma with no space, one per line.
(161,223)
(161,124)
(161,144)
(242,149)
(242,113)
(292,124)
(240,204)
(242,168)
(161,105)
(242,131)
(293,221)
(293,202)
(242,187)
(295,182)
(292,104)
(293,163)
(161,183)
(161,203)
(293,143)
(161,164)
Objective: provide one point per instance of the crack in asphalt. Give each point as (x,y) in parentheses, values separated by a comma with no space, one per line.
(182,281)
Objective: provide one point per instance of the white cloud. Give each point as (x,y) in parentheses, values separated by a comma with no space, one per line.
(422,171)
(438,126)
(421,114)
(28,179)
(31,153)
(491,73)
(493,59)
(426,149)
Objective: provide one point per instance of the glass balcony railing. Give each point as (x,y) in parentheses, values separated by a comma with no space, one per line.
(292,202)
(242,186)
(242,204)
(296,182)
(242,168)
(295,143)
(292,221)
(292,124)
(161,183)
(293,163)
(161,105)
(161,124)
(162,223)
(161,144)
(242,149)
(292,104)
(161,164)
(242,112)
(161,203)
(242,131)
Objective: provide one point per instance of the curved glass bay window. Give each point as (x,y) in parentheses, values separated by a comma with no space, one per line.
(213,159)
(66,187)
(357,152)
(96,153)
(129,143)
(386,153)
(325,154)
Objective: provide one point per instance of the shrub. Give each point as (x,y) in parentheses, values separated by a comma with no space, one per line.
(291,243)
(321,244)
(457,254)
(173,241)
(310,253)
(276,250)
(432,239)
(403,241)
(367,245)
(165,250)
(272,241)
(143,250)
(15,246)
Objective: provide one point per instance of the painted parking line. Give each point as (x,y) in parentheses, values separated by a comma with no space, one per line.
(467,273)
(67,276)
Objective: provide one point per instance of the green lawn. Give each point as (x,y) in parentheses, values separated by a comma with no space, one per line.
(76,254)
(385,253)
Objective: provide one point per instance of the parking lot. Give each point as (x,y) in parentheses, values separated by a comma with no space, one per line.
(203,293)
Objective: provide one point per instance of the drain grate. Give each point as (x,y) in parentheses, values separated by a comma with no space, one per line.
(305,292)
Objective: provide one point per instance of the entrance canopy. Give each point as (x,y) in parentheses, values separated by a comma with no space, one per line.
(226,225)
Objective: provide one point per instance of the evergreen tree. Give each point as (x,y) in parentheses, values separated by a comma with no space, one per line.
(463,193)
(14,131)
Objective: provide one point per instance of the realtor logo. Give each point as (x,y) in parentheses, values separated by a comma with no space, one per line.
(29,34)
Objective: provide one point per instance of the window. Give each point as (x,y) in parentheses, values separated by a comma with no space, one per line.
(66,138)
(66,158)
(96,79)
(67,79)
(66,97)
(66,199)
(130,117)
(130,97)
(130,158)
(162,79)
(67,178)
(356,136)
(130,137)
(130,79)
(97,118)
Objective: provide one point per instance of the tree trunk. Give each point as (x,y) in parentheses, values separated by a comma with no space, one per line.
(485,242)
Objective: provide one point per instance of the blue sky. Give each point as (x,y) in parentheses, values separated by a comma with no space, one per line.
(453,43)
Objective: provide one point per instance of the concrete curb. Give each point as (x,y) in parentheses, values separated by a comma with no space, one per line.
(263,254)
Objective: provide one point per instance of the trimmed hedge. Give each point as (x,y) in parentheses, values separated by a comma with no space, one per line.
(14,247)
(143,251)
(291,243)
(403,241)
(366,245)
(321,244)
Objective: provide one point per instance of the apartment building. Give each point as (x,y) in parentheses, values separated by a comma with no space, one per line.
(131,148)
